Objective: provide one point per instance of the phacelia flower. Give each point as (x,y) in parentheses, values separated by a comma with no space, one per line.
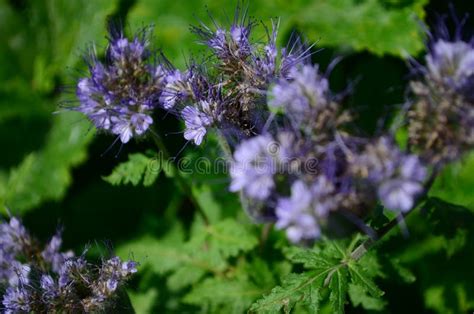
(120,94)
(441,115)
(177,88)
(48,280)
(452,64)
(301,213)
(254,167)
(305,99)
(306,90)
(398,177)
(197,121)
(16,300)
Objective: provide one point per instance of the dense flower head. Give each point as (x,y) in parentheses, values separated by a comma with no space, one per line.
(36,279)
(17,300)
(452,63)
(306,101)
(234,81)
(120,94)
(441,117)
(303,95)
(397,177)
(228,44)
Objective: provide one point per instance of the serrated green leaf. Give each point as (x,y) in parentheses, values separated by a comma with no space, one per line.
(294,288)
(230,237)
(137,167)
(338,286)
(360,277)
(358,296)
(310,258)
(152,172)
(222,295)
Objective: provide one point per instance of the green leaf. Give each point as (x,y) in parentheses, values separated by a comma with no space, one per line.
(329,267)
(189,261)
(405,274)
(46,174)
(137,167)
(338,287)
(65,38)
(295,288)
(310,258)
(362,24)
(455,183)
(358,296)
(185,275)
(222,295)
(360,277)
(230,237)
(143,302)
(451,222)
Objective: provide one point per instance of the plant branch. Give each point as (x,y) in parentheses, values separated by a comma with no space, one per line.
(369,243)
(182,183)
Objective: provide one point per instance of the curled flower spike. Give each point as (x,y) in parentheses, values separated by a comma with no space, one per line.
(47,280)
(398,177)
(441,116)
(303,96)
(120,94)
(452,64)
(234,81)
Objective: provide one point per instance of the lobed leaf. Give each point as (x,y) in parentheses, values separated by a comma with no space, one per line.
(138,167)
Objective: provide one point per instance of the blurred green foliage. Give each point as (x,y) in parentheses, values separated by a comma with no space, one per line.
(52,166)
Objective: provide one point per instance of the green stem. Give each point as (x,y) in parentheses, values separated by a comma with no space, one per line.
(365,246)
(224,146)
(182,182)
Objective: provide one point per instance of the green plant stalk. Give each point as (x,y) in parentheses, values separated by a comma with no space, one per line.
(365,246)
(182,183)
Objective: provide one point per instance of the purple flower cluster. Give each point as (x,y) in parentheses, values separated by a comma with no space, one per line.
(451,63)
(229,92)
(36,279)
(301,213)
(441,116)
(119,95)
(303,95)
(254,168)
(398,177)
(309,169)
(294,158)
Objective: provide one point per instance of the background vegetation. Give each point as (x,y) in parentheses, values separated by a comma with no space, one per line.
(52,165)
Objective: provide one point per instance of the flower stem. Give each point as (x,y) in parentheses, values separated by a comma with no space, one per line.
(224,146)
(365,246)
(181,182)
